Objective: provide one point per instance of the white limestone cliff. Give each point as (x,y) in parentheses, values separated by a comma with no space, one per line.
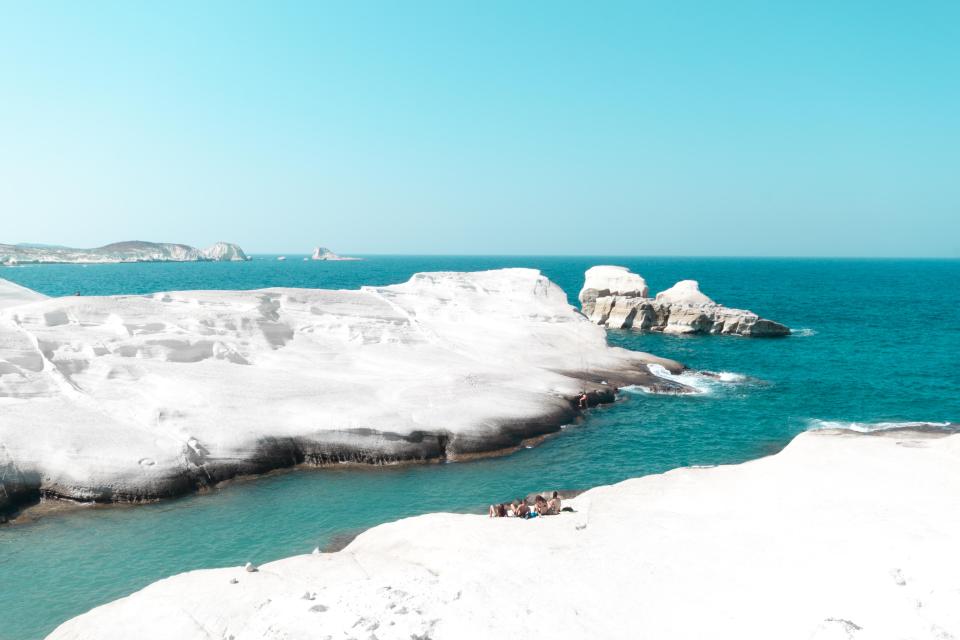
(839,536)
(225,252)
(126,398)
(609,280)
(616,298)
(132,251)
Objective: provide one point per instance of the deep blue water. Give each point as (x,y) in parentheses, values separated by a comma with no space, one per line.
(880,342)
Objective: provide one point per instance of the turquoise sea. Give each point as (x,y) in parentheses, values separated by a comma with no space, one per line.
(875,341)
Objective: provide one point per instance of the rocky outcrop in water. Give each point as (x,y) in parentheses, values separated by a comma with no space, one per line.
(132,251)
(614,297)
(322,253)
(225,252)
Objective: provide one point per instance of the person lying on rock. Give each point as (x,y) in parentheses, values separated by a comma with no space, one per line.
(497,510)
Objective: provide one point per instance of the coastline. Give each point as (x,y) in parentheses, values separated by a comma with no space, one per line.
(130,251)
(160,395)
(787,388)
(816,538)
(38,507)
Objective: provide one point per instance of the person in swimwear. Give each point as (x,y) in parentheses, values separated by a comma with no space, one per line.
(582,401)
(553,506)
(497,510)
(540,506)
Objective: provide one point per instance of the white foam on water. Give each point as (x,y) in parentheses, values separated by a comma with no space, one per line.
(803,333)
(729,376)
(697,380)
(869,427)
(689,379)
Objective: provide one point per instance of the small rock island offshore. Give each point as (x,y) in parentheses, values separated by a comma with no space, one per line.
(617,298)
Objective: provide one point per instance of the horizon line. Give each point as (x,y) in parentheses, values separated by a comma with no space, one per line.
(615,255)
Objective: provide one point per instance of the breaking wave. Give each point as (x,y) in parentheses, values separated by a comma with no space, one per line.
(726,376)
(702,381)
(870,427)
(803,333)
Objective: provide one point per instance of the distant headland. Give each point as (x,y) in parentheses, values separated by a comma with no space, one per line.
(130,251)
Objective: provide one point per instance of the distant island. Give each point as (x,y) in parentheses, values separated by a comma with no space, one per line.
(322,253)
(130,251)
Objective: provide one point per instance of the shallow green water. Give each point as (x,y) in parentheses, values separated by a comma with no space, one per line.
(879,341)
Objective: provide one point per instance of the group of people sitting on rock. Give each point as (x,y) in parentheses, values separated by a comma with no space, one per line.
(520,509)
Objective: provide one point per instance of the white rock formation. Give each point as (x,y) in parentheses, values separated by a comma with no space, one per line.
(607,280)
(12,294)
(137,397)
(684,292)
(615,297)
(838,536)
(134,251)
(322,253)
(225,252)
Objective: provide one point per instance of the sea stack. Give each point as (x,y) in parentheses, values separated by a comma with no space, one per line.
(604,281)
(322,253)
(225,252)
(615,297)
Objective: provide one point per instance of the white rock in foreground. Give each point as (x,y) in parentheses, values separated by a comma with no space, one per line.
(125,398)
(838,536)
(614,297)
(12,294)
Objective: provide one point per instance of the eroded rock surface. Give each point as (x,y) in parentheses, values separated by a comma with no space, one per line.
(126,398)
(615,297)
(838,536)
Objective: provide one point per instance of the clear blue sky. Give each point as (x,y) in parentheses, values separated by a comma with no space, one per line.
(712,128)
